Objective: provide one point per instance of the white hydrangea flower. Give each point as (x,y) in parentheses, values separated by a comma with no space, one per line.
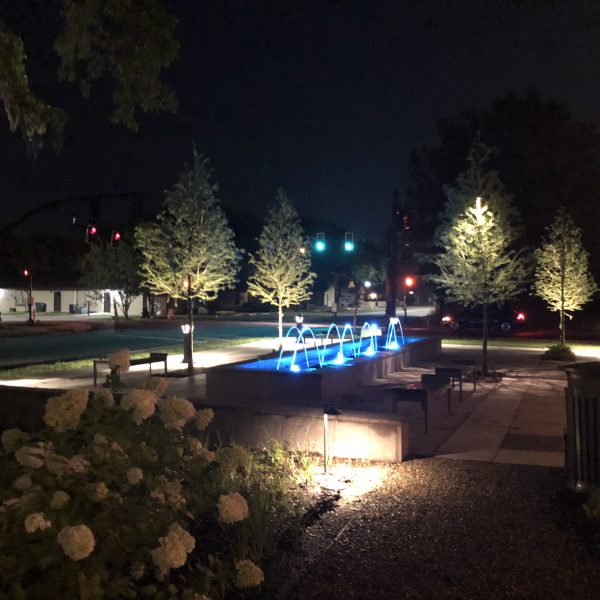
(23,483)
(59,499)
(134,475)
(79,464)
(175,411)
(78,541)
(142,403)
(231,457)
(203,418)
(31,456)
(36,522)
(169,493)
(158,385)
(120,360)
(57,465)
(11,438)
(63,412)
(248,574)
(173,550)
(104,395)
(232,508)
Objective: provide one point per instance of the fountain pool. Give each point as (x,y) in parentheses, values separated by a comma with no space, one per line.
(312,369)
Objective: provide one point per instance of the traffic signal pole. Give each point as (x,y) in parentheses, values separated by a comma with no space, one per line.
(392,272)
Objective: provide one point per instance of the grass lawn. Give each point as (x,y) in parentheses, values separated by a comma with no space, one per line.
(516,343)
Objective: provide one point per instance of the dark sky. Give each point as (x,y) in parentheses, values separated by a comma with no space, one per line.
(323,98)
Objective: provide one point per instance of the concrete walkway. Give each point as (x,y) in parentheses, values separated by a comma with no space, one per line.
(518,417)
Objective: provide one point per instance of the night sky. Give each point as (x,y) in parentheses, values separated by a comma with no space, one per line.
(323,98)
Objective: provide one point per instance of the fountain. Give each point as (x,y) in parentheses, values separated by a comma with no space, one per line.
(307,373)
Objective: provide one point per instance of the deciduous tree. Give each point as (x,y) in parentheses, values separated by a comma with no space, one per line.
(189,250)
(115,269)
(562,276)
(282,274)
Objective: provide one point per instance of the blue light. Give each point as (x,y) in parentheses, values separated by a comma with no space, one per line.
(348,246)
(295,368)
(369,351)
(339,359)
(320,246)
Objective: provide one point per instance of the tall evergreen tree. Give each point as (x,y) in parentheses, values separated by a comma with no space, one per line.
(189,250)
(562,276)
(282,274)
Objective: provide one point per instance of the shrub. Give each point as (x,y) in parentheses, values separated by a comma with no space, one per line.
(559,352)
(122,499)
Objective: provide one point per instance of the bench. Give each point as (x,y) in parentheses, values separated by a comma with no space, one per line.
(154,357)
(418,392)
(456,374)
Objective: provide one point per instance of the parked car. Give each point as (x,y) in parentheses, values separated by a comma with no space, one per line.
(505,318)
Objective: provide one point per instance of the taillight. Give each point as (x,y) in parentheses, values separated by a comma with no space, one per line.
(446,319)
(520,316)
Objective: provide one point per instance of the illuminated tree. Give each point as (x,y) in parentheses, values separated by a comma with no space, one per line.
(282,274)
(115,269)
(189,250)
(562,276)
(477,266)
(126,41)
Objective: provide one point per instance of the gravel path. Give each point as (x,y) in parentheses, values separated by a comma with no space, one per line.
(450,529)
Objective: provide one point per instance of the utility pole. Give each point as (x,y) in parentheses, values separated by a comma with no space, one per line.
(392,272)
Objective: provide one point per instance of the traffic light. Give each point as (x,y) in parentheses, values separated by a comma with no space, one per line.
(91,233)
(115,238)
(25,272)
(349,241)
(409,281)
(320,244)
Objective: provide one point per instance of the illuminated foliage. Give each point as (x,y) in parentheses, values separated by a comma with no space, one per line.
(282,277)
(191,238)
(478,265)
(128,42)
(562,276)
(113,268)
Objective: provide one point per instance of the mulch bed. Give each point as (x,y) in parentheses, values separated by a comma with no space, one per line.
(446,529)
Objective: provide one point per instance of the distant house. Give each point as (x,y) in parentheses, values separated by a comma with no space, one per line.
(63,300)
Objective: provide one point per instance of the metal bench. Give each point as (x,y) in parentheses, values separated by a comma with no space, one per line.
(418,392)
(154,357)
(456,374)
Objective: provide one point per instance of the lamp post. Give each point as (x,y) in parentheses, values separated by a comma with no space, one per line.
(409,282)
(30,308)
(188,341)
(327,411)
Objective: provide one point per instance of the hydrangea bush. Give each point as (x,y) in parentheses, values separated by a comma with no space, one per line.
(122,498)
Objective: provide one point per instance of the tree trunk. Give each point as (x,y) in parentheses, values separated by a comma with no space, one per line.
(190,336)
(280,327)
(563,337)
(563,266)
(145,311)
(115,309)
(484,361)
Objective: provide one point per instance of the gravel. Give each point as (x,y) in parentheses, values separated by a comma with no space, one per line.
(446,529)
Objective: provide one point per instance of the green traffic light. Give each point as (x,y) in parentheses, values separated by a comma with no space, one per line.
(320,246)
(349,246)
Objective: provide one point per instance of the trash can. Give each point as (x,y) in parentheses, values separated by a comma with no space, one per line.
(583,426)
(73,308)
(40,306)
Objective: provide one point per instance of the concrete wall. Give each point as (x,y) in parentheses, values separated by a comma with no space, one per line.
(23,407)
(352,435)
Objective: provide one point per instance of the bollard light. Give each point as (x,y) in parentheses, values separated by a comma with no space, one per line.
(333,411)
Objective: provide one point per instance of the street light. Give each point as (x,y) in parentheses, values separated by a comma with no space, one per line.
(409,282)
(30,305)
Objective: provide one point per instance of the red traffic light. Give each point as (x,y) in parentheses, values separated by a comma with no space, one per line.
(26,272)
(409,281)
(93,230)
(116,236)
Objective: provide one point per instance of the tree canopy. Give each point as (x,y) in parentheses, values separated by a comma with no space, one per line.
(189,250)
(128,42)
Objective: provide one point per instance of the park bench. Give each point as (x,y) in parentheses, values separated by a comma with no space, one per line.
(154,357)
(418,392)
(456,374)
